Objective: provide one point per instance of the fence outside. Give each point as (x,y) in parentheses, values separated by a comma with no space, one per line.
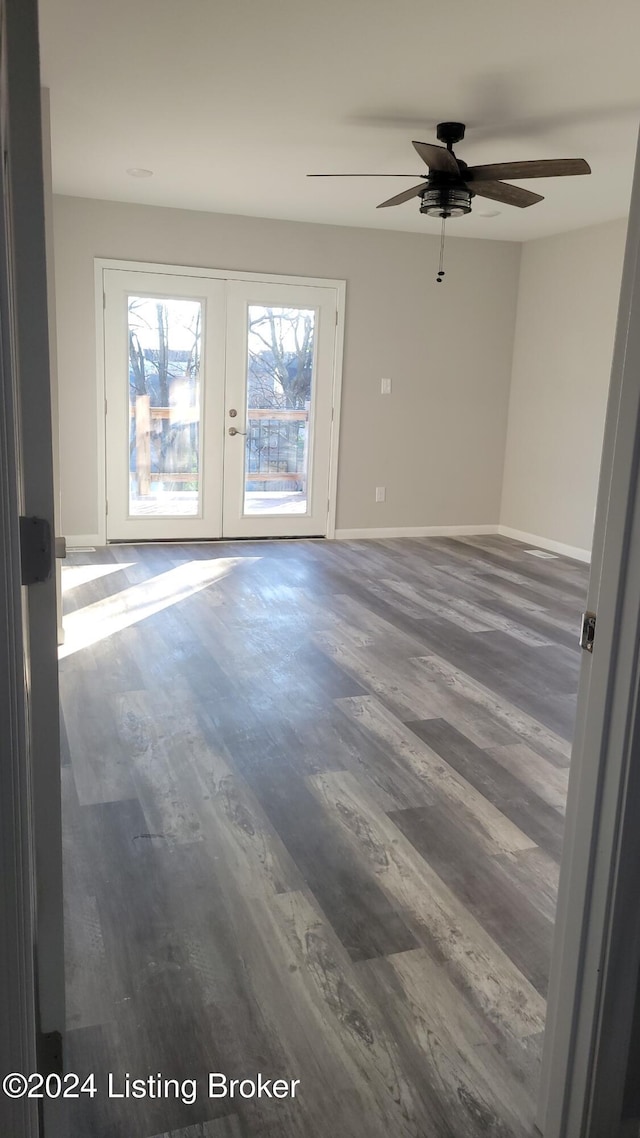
(164,449)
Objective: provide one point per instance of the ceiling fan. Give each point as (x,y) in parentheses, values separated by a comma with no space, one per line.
(448,188)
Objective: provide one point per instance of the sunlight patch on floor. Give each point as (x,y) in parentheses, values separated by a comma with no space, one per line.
(74,575)
(102,619)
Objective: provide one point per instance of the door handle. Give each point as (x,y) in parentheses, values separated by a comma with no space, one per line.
(235,431)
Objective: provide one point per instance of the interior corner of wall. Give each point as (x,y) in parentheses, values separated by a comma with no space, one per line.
(512,370)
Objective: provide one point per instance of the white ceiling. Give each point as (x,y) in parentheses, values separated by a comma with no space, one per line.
(232,102)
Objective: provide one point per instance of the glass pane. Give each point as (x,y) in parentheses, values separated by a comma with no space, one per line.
(164,403)
(279,387)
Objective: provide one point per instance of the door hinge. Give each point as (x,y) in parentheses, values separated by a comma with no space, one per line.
(49,1053)
(104,300)
(106,507)
(588,631)
(36,550)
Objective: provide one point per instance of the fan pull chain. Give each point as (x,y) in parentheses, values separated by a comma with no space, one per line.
(440,275)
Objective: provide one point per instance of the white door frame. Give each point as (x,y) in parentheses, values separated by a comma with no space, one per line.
(101,264)
(596,953)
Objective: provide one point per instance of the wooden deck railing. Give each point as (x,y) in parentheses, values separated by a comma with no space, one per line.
(143,414)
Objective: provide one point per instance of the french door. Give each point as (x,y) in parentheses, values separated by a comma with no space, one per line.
(219,406)
(278,413)
(164,380)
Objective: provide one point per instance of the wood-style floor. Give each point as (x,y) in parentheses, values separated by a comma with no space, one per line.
(313,810)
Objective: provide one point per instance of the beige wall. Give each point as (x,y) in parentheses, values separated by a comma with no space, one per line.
(437,443)
(567,305)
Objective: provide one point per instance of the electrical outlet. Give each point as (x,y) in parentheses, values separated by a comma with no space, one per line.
(381,493)
(385,386)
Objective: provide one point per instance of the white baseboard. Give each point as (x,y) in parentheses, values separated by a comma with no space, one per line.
(415,531)
(468,531)
(82,540)
(573,551)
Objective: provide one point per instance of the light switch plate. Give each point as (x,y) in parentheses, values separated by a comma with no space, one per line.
(385,386)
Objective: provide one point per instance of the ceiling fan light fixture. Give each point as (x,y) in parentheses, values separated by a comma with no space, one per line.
(446,201)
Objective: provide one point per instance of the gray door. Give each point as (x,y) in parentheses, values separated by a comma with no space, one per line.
(31,931)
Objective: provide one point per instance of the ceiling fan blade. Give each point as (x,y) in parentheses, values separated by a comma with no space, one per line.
(543,168)
(503,192)
(437,157)
(404,196)
(364,175)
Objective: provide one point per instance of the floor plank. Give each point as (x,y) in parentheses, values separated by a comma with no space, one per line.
(512,797)
(487,888)
(228,1127)
(474,961)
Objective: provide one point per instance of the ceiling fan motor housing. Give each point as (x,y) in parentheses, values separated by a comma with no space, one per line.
(447,195)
